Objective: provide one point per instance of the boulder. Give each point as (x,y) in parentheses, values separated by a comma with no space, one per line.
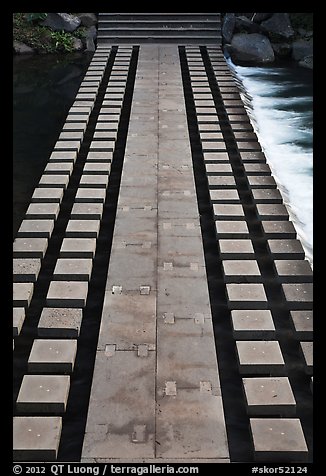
(278,27)
(228,27)
(22,49)
(301,49)
(243,24)
(251,49)
(91,32)
(259,17)
(282,50)
(77,44)
(61,21)
(87,19)
(307,62)
(90,45)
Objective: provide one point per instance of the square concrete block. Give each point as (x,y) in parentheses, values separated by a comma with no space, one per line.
(298,296)
(18,318)
(63,168)
(257,169)
(101,156)
(268,195)
(279,229)
(74,135)
(92,211)
(43,210)
(30,247)
(97,168)
(26,269)
(228,212)
(261,181)
(73,269)
(269,396)
(67,294)
(272,212)
(209,146)
(302,323)
(218,169)
(252,157)
(94,181)
(47,195)
(286,249)
(236,249)
(241,271)
(60,322)
(22,294)
(65,155)
(43,394)
(75,126)
(231,229)
(307,349)
(83,228)
(35,229)
(224,196)
(102,145)
(260,357)
(67,144)
(36,438)
(90,195)
(78,248)
(214,135)
(216,157)
(248,146)
(278,440)
(293,271)
(52,356)
(246,296)
(252,324)
(221,182)
(52,180)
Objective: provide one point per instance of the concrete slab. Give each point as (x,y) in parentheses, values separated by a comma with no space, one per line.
(70,269)
(67,144)
(36,438)
(18,318)
(231,229)
(261,181)
(267,195)
(278,440)
(100,157)
(228,212)
(78,248)
(252,324)
(286,249)
(257,169)
(84,211)
(83,228)
(60,181)
(43,394)
(36,229)
(241,271)
(218,169)
(67,294)
(63,168)
(303,324)
(94,181)
(26,269)
(30,247)
(65,156)
(121,417)
(269,396)
(224,196)
(60,323)
(307,352)
(75,126)
(298,296)
(251,157)
(260,357)
(216,157)
(47,195)
(279,229)
(246,296)
(272,212)
(90,195)
(236,249)
(99,168)
(43,210)
(293,271)
(52,356)
(221,182)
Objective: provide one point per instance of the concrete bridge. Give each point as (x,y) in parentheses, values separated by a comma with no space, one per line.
(162,302)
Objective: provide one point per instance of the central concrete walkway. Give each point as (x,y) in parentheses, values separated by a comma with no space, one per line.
(156,392)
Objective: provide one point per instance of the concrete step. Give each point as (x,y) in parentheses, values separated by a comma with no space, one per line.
(136,40)
(175,23)
(136,30)
(158,16)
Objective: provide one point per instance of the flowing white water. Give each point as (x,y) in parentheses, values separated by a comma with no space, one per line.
(279,103)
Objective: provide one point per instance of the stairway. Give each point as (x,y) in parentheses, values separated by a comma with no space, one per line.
(177,28)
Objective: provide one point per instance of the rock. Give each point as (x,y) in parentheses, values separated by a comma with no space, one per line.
(77,44)
(307,62)
(301,49)
(253,49)
(278,27)
(91,32)
(22,49)
(243,24)
(305,33)
(282,50)
(61,21)
(90,45)
(87,19)
(259,17)
(228,27)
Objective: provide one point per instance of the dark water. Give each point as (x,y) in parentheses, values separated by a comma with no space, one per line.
(44,88)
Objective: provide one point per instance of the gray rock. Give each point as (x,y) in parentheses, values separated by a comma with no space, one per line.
(307,62)
(282,50)
(278,26)
(244,24)
(259,17)
(77,44)
(91,32)
(61,21)
(228,27)
(87,19)
(251,49)
(21,49)
(90,45)
(301,49)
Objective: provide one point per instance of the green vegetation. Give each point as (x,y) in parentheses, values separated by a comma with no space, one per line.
(36,17)
(63,41)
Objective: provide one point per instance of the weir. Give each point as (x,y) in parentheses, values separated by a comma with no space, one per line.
(162,303)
